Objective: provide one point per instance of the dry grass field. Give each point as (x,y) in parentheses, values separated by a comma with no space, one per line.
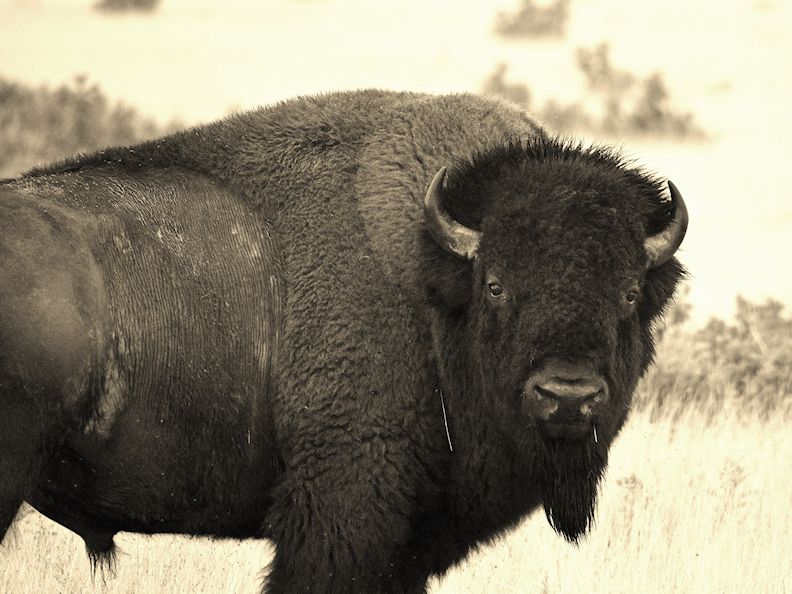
(693,504)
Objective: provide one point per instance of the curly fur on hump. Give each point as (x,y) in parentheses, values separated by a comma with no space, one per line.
(378,321)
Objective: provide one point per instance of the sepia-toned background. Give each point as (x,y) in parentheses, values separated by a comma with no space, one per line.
(699,491)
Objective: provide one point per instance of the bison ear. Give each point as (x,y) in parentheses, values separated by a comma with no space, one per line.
(445,278)
(449,234)
(447,281)
(661,284)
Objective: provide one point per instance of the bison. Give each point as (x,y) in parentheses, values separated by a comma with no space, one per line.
(378,329)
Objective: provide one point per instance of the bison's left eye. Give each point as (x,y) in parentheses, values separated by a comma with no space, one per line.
(631,297)
(495,289)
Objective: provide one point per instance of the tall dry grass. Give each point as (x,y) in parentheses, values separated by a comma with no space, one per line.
(689,505)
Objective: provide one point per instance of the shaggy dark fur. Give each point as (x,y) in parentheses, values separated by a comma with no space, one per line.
(291,388)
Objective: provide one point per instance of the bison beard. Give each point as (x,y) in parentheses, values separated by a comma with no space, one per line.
(569,474)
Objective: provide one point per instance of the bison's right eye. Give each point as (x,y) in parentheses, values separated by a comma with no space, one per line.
(630,299)
(495,289)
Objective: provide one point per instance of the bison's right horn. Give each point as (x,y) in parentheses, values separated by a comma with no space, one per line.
(661,246)
(451,235)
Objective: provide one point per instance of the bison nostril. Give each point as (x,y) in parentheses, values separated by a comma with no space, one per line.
(577,392)
(566,393)
(545,393)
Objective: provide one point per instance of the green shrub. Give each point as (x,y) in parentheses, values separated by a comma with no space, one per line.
(40,124)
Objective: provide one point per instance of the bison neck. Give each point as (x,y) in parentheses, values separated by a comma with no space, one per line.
(493,483)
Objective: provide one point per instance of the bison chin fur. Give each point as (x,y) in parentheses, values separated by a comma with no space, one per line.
(569,476)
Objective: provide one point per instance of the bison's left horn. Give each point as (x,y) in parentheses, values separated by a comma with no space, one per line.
(661,246)
(451,235)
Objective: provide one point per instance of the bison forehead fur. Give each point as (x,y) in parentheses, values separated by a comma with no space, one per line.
(376,328)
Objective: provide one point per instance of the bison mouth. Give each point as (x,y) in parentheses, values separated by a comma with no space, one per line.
(571,430)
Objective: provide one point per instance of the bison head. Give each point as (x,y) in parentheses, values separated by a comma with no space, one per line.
(557,261)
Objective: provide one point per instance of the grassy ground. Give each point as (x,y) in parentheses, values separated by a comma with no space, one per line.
(689,505)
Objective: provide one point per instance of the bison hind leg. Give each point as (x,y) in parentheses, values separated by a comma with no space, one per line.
(19,451)
(102,553)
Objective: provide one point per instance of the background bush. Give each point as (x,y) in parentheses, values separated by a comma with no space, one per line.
(532,20)
(41,124)
(742,366)
(617,102)
(127,5)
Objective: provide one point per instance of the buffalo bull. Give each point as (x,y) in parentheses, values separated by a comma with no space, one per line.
(375,328)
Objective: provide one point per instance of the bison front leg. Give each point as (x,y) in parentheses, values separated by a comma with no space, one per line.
(8,511)
(341,531)
(19,449)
